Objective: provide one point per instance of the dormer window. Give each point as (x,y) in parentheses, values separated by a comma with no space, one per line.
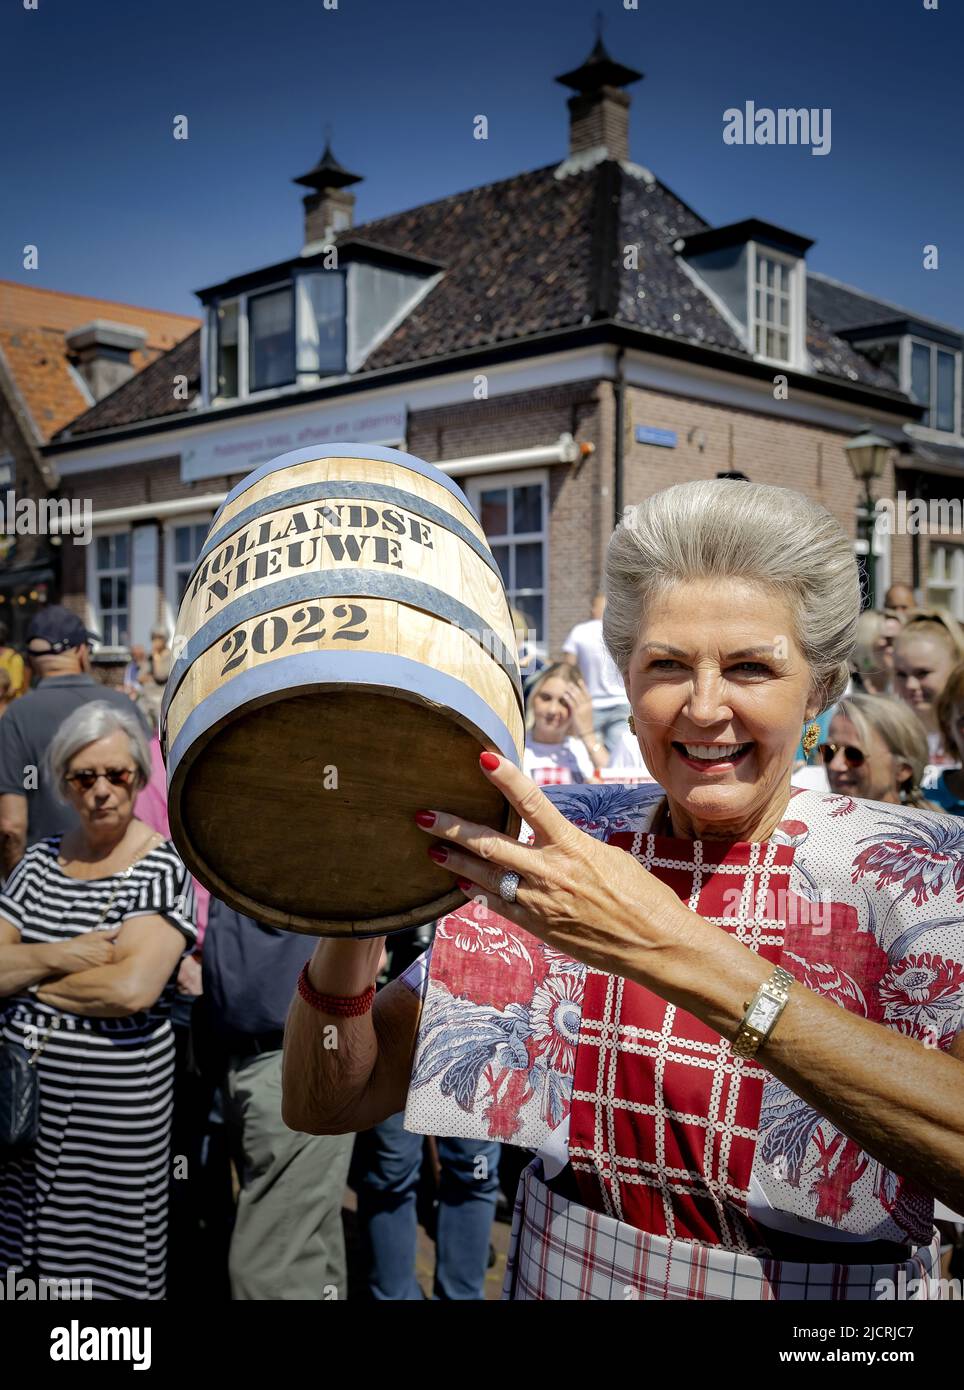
(292,326)
(755,274)
(933,383)
(925,360)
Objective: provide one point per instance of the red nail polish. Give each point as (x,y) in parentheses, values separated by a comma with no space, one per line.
(438,854)
(489,761)
(425,818)
(465,885)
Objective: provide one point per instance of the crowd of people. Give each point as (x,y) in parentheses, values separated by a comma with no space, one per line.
(153,1016)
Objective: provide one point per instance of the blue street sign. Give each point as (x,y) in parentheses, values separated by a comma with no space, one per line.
(648,434)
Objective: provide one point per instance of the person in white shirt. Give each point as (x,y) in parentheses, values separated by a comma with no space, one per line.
(561,746)
(585,648)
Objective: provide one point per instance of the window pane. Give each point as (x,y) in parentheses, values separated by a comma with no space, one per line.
(920,376)
(200,536)
(494,506)
(105,593)
(271,330)
(531,605)
(321,322)
(501,555)
(528,565)
(182,545)
(945,391)
(103,552)
(121,550)
(120,591)
(784,312)
(228,349)
(527,509)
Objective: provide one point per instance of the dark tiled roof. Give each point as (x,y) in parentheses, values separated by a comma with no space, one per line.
(150,394)
(527,255)
(517,258)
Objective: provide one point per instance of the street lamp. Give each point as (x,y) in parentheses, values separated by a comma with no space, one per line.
(867,455)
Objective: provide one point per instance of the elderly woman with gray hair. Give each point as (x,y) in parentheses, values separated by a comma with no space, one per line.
(725,1012)
(92,926)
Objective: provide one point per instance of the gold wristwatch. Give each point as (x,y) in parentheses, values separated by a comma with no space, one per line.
(762,1013)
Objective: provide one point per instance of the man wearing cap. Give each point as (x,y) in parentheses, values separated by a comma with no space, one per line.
(59,653)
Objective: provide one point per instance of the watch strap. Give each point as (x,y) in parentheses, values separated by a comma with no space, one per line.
(748,1039)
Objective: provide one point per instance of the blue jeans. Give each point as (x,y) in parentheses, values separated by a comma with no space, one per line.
(388,1161)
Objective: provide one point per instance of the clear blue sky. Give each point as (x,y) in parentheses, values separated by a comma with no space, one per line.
(118,208)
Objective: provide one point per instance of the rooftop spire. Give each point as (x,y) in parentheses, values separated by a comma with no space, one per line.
(599,112)
(328,173)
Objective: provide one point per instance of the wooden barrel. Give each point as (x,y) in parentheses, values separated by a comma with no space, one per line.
(343,654)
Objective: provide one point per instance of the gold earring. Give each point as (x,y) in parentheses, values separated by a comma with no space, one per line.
(632,725)
(811,737)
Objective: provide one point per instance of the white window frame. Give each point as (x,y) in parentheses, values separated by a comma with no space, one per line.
(96,621)
(169,600)
(244,394)
(485,482)
(797,329)
(948,593)
(906,352)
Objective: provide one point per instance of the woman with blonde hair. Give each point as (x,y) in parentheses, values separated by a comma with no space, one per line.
(876,749)
(873,662)
(927,648)
(725,1099)
(561,746)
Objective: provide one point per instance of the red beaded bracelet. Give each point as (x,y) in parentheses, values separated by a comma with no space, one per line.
(343,1005)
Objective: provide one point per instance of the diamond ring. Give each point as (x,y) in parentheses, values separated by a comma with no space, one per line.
(508,886)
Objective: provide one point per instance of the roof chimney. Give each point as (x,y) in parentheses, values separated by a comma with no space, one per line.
(102,352)
(599,112)
(329,208)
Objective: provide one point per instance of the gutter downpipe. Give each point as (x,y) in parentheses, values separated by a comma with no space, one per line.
(619,389)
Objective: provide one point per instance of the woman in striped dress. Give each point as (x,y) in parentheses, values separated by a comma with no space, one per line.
(92,926)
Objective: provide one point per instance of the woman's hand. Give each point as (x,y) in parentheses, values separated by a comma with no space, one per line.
(87,951)
(592,901)
(578,701)
(189,977)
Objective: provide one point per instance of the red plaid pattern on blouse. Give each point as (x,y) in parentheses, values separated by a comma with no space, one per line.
(551,776)
(559,1250)
(664,1118)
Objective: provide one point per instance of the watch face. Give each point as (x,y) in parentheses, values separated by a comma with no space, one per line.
(764,1013)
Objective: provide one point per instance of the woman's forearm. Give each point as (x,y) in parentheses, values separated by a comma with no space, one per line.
(22,965)
(901,1101)
(346,1074)
(104,991)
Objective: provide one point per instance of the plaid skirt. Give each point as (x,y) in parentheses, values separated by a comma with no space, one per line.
(561,1250)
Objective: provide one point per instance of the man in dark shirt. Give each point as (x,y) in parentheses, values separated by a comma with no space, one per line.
(59,652)
(287,1241)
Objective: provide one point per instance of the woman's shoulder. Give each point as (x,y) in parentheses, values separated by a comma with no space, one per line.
(603,809)
(852,816)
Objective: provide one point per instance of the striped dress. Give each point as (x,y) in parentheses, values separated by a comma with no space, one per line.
(90,1201)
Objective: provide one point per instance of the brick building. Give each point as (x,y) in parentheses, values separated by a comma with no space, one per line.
(563,342)
(59,355)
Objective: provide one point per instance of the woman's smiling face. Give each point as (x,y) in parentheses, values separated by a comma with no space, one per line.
(720,691)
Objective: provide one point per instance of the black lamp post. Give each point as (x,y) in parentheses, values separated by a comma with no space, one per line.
(867,455)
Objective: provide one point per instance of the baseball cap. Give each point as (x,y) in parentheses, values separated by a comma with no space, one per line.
(58,627)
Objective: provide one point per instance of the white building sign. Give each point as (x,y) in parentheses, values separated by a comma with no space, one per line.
(239,448)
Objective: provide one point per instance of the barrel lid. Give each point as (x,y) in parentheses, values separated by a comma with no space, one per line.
(346,451)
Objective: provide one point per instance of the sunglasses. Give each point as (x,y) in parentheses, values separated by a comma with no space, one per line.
(116,776)
(855,757)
